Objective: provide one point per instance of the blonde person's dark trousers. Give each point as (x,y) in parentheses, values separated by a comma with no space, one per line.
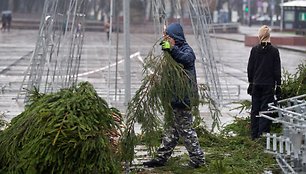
(261,96)
(182,126)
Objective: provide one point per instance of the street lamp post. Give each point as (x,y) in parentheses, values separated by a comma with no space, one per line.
(282,15)
(272,11)
(127,65)
(249,13)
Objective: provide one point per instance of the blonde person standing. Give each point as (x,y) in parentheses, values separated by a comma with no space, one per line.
(264,76)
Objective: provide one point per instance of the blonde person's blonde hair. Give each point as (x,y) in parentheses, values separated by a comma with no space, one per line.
(264,33)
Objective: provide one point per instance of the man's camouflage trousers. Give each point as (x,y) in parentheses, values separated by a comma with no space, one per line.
(182,126)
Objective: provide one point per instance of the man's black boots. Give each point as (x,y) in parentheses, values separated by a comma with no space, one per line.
(154,163)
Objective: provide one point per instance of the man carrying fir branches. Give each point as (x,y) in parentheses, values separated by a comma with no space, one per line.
(175,43)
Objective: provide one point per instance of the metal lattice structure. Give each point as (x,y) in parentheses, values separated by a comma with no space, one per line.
(290,147)
(56,59)
(201,21)
(201,18)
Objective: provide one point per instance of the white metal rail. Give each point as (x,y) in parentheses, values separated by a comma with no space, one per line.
(290,147)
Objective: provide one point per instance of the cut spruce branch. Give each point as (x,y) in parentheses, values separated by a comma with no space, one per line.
(164,79)
(71,131)
(294,84)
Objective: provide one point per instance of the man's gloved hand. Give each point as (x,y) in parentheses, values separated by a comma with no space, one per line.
(278,93)
(250,88)
(165,45)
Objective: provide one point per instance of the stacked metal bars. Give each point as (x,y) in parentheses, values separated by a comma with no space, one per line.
(56,59)
(290,147)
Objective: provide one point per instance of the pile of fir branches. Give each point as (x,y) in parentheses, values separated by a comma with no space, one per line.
(71,131)
(163,80)
(294,84)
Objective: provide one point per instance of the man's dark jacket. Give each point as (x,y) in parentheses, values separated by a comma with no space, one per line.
(264,67)
(182,53)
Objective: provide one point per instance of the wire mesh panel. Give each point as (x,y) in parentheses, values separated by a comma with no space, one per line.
(56,59)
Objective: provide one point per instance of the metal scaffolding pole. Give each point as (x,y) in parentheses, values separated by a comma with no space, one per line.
(110,49)
(127,65)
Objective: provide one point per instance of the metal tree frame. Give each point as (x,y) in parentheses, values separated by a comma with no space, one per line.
(201,20)
(56,59)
